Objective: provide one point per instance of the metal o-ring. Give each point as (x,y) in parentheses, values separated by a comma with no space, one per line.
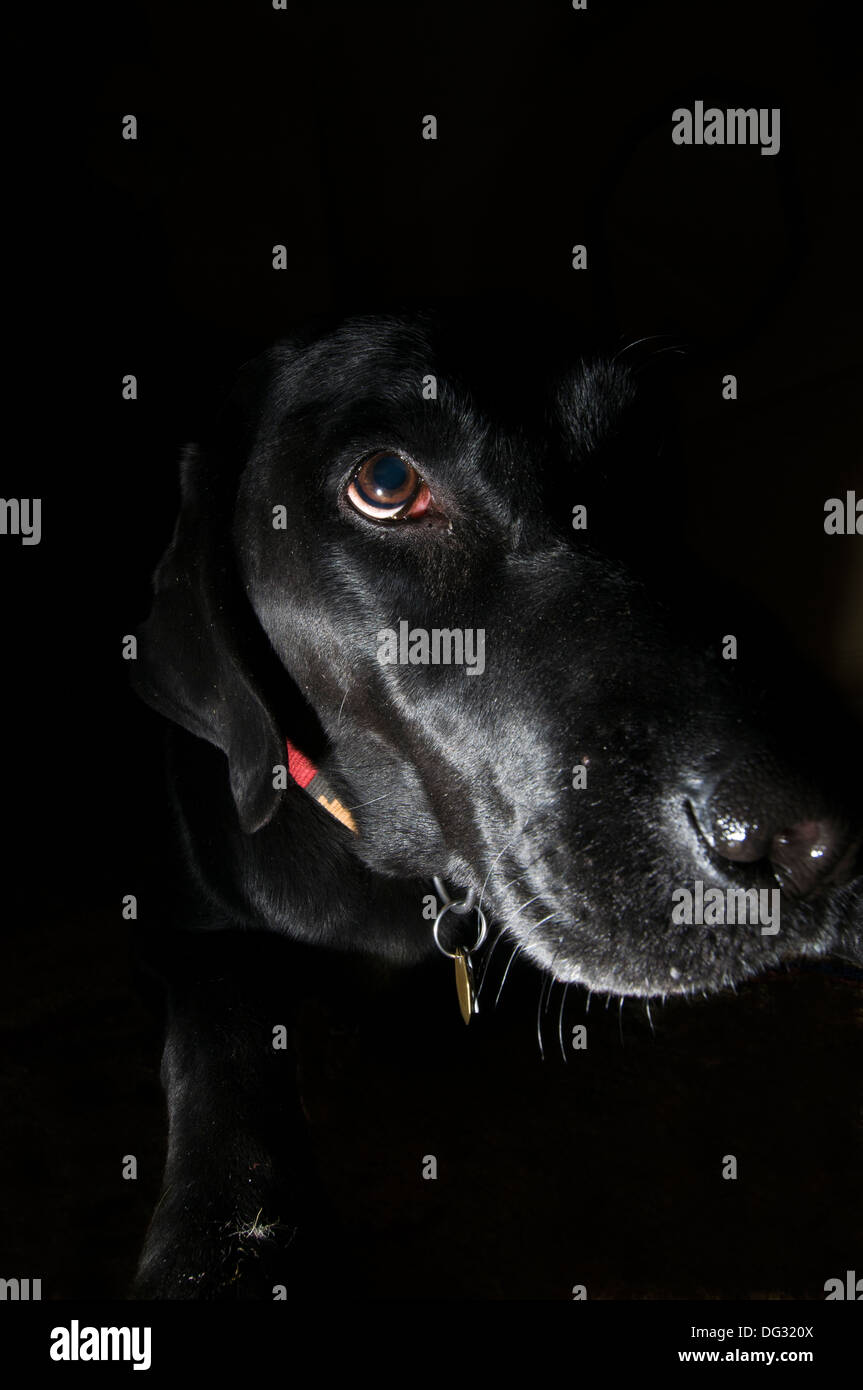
(483,930)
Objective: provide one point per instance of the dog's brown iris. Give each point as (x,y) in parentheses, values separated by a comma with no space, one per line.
(387,487)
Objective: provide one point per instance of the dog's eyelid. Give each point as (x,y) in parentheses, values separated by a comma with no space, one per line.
(364,453)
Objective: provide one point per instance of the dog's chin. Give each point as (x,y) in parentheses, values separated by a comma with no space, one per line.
(647,957)
(649,979)
(654,984)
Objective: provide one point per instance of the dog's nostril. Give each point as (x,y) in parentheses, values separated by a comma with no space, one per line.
(812,852)
(733,832)
(739,838)
(804,853)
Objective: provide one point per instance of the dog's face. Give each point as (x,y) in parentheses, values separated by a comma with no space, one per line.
(584,759)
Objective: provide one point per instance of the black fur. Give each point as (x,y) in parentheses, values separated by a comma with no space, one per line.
(258,633)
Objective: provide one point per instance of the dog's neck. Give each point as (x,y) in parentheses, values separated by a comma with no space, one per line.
(307,776)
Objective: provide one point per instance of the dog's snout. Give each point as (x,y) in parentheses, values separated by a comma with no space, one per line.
(807,848)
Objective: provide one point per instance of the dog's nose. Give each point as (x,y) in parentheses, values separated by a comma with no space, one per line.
(806,850)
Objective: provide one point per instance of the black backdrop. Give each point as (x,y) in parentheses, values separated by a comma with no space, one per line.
(256,127)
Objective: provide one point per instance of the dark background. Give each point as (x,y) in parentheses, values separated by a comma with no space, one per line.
(302,127)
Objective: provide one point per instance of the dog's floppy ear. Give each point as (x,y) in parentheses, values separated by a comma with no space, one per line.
(194,651)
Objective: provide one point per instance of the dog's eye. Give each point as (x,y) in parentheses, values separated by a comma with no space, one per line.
(387,487)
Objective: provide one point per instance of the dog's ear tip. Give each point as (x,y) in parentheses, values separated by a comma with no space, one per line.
(256,806)
(194,470)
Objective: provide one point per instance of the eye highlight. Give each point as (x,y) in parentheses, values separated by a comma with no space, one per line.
(387,487)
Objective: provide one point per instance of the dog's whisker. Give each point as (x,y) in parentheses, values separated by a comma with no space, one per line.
(517,952)
(361,804)
(542,923)
(637,342)
(504,933)
(524,871)
(551,968)
(522,830)
(563,1051)
(677,348)
(518,948)
(497,859)
(487,962)
(680,348)
(517,879)
(534,899)
(546,984)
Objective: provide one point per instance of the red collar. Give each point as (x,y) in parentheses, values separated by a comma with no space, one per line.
(304,773)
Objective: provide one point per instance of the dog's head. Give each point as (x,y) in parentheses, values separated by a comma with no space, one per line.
(416,549)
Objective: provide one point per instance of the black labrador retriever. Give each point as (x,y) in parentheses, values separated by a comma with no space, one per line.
(405,628)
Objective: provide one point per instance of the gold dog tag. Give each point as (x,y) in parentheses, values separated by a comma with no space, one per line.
(464,984)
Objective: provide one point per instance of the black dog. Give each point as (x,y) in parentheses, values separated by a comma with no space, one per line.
(567,753)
